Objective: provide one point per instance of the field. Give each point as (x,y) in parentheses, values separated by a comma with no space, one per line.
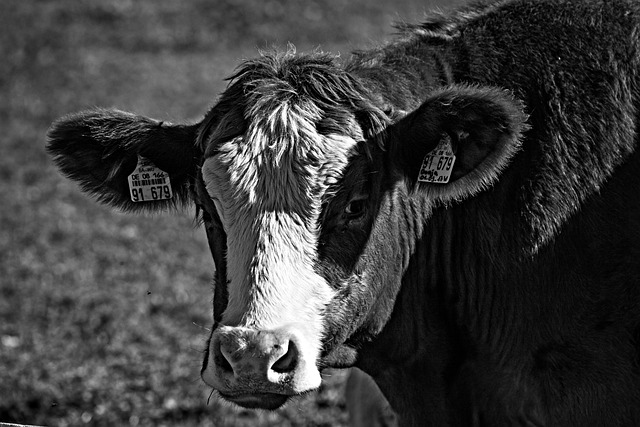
(103,316)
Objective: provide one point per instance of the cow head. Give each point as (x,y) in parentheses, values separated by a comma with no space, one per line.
(307,192)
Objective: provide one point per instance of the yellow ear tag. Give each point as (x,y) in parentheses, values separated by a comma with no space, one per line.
(437,165)
(148,183)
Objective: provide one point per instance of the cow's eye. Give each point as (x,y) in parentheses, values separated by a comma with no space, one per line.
(355,208)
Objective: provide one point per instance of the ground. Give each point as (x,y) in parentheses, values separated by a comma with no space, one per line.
(104,316)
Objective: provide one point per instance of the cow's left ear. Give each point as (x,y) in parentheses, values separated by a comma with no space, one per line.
(457,142)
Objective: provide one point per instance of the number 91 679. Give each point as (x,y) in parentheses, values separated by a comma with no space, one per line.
(150,193)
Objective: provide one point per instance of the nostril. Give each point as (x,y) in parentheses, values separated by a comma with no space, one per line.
(221,359)
(288,361)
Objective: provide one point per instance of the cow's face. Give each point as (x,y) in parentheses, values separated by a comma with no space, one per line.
(310,202)
(273,184)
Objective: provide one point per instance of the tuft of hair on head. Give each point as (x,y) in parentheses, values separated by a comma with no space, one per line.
(313,77)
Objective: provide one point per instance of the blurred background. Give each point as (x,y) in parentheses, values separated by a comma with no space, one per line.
(103,316)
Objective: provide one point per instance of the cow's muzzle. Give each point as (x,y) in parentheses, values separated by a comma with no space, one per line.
(260,368)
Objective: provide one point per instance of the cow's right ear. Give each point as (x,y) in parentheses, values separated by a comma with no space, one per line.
(459,140)
(100,149)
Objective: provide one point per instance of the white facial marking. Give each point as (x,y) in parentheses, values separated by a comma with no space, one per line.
(269,184)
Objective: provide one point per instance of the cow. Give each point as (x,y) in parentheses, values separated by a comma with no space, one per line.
(456,212)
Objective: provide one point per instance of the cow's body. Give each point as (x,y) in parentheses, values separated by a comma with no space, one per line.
(508,296)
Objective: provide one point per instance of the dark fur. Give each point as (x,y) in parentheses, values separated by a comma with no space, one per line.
(510,296)
(521,306)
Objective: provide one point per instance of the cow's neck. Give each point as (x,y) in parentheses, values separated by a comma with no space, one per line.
(446,328)
(463,334)
(400,75)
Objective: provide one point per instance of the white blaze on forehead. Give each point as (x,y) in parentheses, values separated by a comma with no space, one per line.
(269,184)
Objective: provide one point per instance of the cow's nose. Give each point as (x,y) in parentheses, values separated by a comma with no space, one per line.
(261,368)
(264,355)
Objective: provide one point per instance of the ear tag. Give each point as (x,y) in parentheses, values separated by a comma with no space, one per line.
(148,183)
(437,165)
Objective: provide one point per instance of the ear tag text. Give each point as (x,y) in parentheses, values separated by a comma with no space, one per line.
(437,165)
(148,183)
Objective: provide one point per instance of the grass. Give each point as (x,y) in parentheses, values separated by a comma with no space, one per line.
(103,316)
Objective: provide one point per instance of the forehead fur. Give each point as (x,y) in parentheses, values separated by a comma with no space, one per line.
(286,125)
(265,89)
